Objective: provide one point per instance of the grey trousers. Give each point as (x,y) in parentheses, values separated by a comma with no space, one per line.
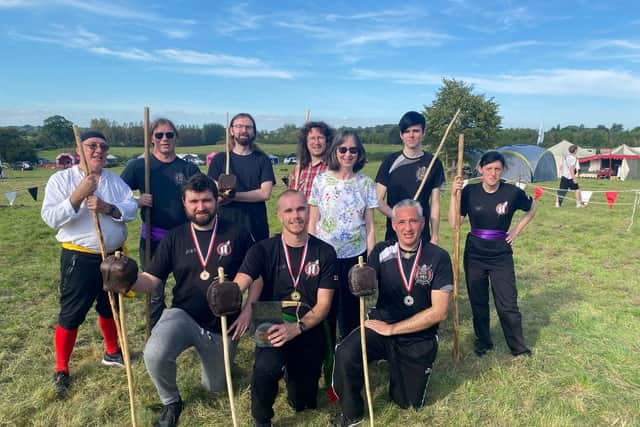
(175,332)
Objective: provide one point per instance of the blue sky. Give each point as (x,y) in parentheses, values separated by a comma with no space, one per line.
(352,63)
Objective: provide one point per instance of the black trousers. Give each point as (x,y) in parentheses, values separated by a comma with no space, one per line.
(157,300)
(499,271)
(345,307)
(80,286)
(410,363)
(299,361)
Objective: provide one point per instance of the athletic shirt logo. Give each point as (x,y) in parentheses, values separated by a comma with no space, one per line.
(224,248)
(312,268)
(179,178)
(502,208)
(425,275)
(420,173)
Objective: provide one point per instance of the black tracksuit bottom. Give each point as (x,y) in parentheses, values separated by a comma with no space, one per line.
(299,361)
(410,361)
(491,261)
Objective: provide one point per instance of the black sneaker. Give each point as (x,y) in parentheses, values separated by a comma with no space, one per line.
(170,415)
(481,349)
(62,382)
(114,359)
(524,353)
(256,423)
(341,420)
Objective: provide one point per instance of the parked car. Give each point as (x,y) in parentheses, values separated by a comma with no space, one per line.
(23,166)
(291,159)
(605,173)
(274,159)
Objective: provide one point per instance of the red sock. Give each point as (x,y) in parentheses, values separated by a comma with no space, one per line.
(109,333)
(64,340)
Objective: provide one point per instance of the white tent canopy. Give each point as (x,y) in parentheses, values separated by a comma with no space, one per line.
(562,149)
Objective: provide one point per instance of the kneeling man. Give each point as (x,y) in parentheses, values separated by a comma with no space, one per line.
(414,279)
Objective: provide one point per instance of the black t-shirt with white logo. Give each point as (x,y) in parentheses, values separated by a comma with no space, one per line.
(177,254)
(267,259)
(433,272)
(493,211)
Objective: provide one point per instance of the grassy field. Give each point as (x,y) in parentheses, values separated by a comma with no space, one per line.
(578,290)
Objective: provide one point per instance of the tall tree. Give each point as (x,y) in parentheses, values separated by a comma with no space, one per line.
(56,132)
(15,146)
(478,119)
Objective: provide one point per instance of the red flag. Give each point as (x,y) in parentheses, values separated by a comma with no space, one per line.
(611,198)
(538,193)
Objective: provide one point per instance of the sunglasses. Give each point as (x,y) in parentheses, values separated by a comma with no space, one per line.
(159,135)
(352,150)
(94,147)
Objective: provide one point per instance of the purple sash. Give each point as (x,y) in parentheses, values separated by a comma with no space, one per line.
(486,234)
(157,233)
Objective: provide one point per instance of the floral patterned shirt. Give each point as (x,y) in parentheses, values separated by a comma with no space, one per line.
(342,205)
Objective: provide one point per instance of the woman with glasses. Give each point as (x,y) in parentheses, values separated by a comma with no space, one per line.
(342,205)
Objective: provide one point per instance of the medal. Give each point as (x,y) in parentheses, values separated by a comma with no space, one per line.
(204,261)
(408,285)
(295,295)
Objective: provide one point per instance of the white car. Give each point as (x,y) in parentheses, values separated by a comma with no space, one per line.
(290,159)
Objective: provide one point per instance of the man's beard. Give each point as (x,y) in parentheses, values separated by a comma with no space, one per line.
(201,221)
(245,141)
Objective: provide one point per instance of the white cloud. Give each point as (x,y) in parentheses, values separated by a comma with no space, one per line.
(238,72)
(610,49)
(202,58)
(501,48)
(553,82)
(398,38)
(238,19)
(131,54)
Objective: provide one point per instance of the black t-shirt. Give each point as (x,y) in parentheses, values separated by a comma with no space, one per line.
(177,254)
(402,177)
(251,171)
(433,272)
(267,259)
(493,211)
(165,179)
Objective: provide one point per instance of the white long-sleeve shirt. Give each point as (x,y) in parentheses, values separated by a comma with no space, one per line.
(77,227)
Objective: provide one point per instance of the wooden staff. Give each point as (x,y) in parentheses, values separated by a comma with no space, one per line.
(227,361)
(147,219)
(363,344)
(435,156)
(456,256)
(227,142)
(103,252)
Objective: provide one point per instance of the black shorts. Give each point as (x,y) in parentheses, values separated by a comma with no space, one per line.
(80,286)
(568,184)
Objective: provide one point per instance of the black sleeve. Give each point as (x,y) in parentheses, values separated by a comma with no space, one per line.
(129,175)
(438,174)
(464,200)
(162,262)
(266,170)
(192,170)
(523,200)
(329,273)
(254,262)
(374,259)
(443,273)
(216,167)
(382,177)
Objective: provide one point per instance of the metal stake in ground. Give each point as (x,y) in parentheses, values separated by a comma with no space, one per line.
(147,219)
(225,350)
(119,326)
(456,256)
(435,156)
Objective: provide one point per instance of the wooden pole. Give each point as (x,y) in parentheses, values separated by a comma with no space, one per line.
(227,361)
(147,219)
(227,143)
(365,362)
(456,256)
(103,252)
(435,156)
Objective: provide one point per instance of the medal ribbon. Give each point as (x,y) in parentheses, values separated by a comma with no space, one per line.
(409,286)
(204,261)
(302,259)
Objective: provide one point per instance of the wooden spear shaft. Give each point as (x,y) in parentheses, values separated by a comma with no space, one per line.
(435,156)
(365,361)
(103,252)
(456,256)
(147,219)
(227,361)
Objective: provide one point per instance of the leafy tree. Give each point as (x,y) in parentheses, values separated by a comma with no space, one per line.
(14,146)
(478,119)
(56,132)
(213,133)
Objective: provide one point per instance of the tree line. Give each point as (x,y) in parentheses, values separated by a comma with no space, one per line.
(479,120)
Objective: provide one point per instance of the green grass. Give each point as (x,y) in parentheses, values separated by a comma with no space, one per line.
(578,291)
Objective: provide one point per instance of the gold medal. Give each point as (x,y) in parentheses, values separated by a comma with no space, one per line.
(295,295)
(204,275)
